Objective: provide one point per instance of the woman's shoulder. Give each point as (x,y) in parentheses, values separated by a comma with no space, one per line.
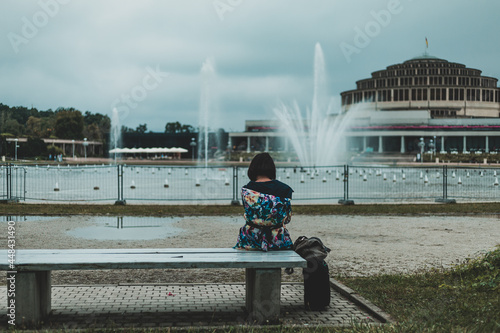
(282,186)
(273,187)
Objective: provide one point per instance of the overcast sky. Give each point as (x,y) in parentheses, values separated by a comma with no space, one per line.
(144,56)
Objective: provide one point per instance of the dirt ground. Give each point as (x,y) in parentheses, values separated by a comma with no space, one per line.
(360,245)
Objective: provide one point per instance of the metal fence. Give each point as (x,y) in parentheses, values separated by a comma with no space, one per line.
(221,185)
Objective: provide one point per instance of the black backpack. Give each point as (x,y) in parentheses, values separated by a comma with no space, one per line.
(316,275)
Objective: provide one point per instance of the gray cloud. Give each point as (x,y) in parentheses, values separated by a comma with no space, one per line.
(87,54)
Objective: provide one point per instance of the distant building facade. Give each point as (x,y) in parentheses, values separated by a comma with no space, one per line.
(425,97)
(445,89)
(448,106)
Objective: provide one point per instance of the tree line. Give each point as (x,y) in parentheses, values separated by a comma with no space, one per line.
(63,123)
(170,128)
(67,123)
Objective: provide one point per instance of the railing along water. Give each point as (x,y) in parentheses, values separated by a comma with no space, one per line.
(345,184)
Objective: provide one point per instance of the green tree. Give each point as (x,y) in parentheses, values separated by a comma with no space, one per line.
(173,127)
(69,124)
(176,127)
(97,126)
(142,128)
(48,125)
(187,129)
(34,127)
(126,129)
(21,113)
(13,127)
(94,133)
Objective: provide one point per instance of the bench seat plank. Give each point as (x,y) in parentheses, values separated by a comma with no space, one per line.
(142,250)
(36,260)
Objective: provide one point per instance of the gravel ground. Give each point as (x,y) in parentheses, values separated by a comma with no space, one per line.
(361,245)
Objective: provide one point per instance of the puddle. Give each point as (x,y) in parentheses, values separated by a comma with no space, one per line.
(128,228)
(120,228)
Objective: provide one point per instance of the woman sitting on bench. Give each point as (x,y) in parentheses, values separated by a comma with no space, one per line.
(267,208)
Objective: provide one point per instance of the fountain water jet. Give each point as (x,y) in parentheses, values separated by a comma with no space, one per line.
(206,111)
(319,140)
(115,131)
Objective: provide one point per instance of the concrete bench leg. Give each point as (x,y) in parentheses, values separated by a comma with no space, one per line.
(32,297)
(263,291)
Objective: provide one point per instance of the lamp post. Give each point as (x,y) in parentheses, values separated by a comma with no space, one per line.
(421,144)
(85,144)
(431,147)
(73,142)
(15,146)
(192,144)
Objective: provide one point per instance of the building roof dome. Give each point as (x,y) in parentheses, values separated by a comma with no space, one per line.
(426,57)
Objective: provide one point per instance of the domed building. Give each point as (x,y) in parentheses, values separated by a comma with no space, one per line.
(429,98)
(425,101)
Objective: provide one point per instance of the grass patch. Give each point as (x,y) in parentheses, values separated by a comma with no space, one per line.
(463,299)
(212,210)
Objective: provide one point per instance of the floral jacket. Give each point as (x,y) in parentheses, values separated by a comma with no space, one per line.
(265,216)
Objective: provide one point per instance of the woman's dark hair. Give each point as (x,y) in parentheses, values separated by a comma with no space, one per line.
(262,165)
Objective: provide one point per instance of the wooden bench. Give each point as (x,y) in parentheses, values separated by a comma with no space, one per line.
(33,283)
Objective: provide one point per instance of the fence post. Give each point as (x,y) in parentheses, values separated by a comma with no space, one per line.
(119,172)
(24,184)
(235,201)
(445,199)
(346,200)
(9,182)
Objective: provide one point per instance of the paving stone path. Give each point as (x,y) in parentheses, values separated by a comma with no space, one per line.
(180,305)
